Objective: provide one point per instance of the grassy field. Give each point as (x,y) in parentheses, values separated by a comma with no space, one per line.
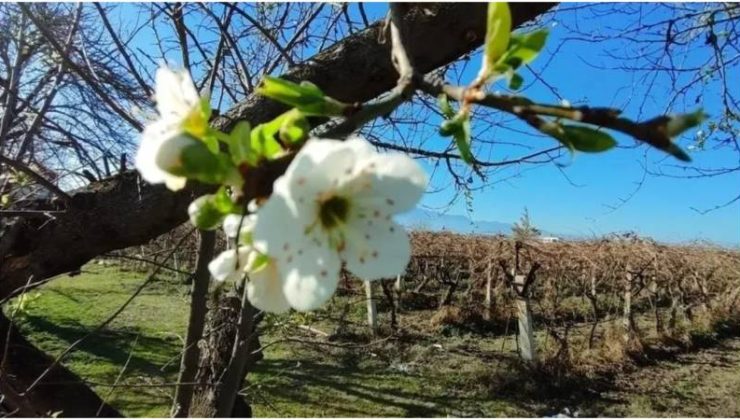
(411,374)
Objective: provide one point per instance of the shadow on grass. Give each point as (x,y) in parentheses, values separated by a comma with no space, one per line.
(357,391)
(111,345)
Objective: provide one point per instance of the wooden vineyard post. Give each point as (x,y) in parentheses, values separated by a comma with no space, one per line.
(488,314)
(372,314)
(525,338)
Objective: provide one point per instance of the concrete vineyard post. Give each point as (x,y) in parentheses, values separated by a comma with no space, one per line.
(627,310)
(372,314)
(399,287)
(525,337)
(489,291)
(399,283)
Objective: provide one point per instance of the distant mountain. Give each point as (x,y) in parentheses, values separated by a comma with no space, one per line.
(429,220)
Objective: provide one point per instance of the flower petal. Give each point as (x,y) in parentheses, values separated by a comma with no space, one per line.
(175,94)
(265,290)
(233,222)
(278,224)
(229,265)
(377,248)
(152,138)
(391,181)
(310,277)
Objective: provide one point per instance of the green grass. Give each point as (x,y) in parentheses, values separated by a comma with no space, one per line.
(67,308)
(419,373)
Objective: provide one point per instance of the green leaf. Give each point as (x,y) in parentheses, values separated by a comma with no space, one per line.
(5,200)
(449,128)
(462,139)
(204,213)
(459,128)
(498,32)
(263,142)
(523,49)
(580,138)
(259,262)
(294,127)
(239,142)
(444,106)
(515,81)
(186,156)
(305,96)
(222,201)
(589,140)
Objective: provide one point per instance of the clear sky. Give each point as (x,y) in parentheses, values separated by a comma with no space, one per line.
(579,204)
(575,199)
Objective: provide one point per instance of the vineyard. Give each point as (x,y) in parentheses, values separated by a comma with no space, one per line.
(620,291)
(618,297)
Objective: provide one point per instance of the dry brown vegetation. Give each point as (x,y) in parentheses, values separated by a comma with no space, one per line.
(596,304)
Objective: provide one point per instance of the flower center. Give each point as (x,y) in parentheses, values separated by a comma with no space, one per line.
(333,211)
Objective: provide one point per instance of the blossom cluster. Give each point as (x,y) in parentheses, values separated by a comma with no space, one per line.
(333,206)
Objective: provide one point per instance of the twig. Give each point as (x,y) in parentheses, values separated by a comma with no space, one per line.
(122,49)
(266,33)
(651,132)
(61,70)
(49,37)
(10,325)
(401,60)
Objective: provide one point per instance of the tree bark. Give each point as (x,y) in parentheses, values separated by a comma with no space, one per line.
(219,337)
(196,323)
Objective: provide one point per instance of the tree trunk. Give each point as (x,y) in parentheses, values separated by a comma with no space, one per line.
(196,323)
(219,335)
(399,287)
(525,337)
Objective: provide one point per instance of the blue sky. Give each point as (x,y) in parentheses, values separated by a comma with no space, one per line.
(579,204)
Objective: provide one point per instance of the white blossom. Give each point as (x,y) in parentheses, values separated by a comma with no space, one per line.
(180,111)
(335,203)
(234,223)
(264,289)
(264,286)
(152,138)
(231,264)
